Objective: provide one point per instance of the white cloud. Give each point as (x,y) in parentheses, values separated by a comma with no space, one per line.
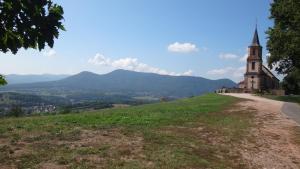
(234,56)
(244,58)
(49,53)
(188,73)
(221,71)
(239,72)
(133,64)
(227,56)
(182,47)
(229,72)
(99,59)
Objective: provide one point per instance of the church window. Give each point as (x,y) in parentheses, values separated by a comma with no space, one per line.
(253,65)
(253,52)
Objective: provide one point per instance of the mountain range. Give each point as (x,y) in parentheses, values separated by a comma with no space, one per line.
(18,79)
(122,82)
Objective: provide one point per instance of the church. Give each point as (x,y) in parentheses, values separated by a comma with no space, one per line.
(257,76)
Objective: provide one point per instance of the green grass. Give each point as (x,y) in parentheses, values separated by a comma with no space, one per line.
(146,115)
(188,133)
(289,98)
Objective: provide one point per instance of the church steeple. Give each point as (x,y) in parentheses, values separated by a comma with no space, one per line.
(254,64)
(257,77)
(255,41)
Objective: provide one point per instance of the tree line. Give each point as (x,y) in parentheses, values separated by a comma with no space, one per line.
(284,43)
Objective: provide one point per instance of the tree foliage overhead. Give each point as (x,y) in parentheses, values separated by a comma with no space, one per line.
(2,80)
(284,37)
(29,24)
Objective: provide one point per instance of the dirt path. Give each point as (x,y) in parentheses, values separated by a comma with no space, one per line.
(274,142)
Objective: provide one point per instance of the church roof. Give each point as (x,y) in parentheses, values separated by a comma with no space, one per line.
(268,72)
(255,41)
(241,82)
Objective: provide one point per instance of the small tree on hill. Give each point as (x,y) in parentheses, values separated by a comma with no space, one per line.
(16,111)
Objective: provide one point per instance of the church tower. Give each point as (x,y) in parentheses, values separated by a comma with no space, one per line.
(253,75)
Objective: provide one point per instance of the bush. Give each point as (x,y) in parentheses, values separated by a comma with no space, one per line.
(16,111)
(65,110)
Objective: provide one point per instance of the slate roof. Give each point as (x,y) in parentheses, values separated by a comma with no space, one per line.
(268,72)
(255,40)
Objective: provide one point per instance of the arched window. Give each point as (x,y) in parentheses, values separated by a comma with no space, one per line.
(253,52)
(253,65)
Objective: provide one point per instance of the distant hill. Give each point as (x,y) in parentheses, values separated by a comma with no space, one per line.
(125,82)
(18,79)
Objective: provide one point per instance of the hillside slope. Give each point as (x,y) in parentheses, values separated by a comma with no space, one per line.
(127,83)
(188,133)
(20,79)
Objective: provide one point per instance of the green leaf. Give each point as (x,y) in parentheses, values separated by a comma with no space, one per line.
(29,23)
(2,80)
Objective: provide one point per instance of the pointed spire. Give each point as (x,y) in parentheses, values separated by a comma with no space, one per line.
(255,41)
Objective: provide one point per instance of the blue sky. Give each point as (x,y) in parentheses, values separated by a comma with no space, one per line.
(177,37)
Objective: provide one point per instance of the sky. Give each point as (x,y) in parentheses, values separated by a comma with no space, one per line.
(207,38)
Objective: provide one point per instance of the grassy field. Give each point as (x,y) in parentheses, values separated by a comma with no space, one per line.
(198,132)
(290,98)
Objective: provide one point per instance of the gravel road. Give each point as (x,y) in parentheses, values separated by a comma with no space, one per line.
(292,110)
(273,142)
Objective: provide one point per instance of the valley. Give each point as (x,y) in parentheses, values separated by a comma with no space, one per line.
(137,84)
(90,91)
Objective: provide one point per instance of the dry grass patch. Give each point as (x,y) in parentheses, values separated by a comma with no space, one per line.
(191,133)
